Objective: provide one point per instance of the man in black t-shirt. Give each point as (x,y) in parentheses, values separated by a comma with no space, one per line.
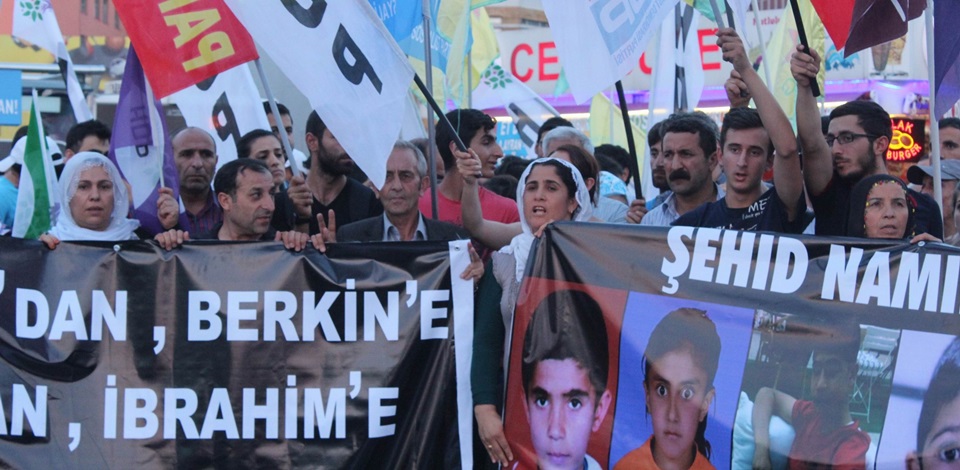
(856,143)
(748,139)
(332,189)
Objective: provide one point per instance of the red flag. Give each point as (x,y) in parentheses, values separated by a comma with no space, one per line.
(836,16)
(181,42)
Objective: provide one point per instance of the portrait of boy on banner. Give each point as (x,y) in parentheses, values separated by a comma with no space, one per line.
(562,378)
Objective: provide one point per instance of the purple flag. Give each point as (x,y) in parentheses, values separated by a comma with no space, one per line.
(879,21)
(946,33)
(140,146)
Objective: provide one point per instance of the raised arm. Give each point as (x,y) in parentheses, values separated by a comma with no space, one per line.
(817,161)
(768,403)
(787,176)
(489,232)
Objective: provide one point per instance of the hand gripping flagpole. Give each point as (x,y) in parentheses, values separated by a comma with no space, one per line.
(802,35)
(294,164)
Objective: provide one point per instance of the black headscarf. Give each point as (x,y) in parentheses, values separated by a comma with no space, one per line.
(858,204)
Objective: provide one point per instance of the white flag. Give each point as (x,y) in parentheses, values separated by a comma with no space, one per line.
(342,58)
(677,77)
(36,23)
(600,41)
(498,88)
(227,105)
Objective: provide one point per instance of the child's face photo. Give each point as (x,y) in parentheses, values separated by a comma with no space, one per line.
(678,399)
(942,445)
(832,380)
(563,410)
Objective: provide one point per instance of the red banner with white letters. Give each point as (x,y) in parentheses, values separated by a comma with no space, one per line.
(182,42)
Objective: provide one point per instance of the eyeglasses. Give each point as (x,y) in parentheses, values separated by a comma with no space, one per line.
(846,137)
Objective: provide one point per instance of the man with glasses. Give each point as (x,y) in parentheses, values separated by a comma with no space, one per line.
(856,143)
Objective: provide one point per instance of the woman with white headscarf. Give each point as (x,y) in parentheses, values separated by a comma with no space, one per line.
(550,190)
(94,204)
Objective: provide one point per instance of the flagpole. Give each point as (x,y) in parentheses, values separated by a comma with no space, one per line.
(443,117)
(934,121)
(802,35)
(157,137)
(294,164)
(716,14)
(763,45)
(431,124)
(631,145)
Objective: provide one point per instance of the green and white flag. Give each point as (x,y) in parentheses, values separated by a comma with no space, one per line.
(498,88)
(37,198)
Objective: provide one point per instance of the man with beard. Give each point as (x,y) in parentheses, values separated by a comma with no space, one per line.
(334,192)
(689,153)
(856,143)
(748,139)
(639,207)
(195,155)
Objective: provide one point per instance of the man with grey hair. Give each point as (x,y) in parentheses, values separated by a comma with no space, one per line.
(401,219)
(565,136)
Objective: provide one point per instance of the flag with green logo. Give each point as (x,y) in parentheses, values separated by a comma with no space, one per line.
(37,199)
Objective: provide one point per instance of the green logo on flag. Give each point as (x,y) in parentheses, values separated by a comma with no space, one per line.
(494,77)
(34,9)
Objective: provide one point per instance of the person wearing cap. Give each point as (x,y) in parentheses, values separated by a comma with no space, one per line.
(922,175)
(10,182)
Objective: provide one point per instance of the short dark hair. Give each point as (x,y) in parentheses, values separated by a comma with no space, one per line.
(225,180)
(743,119)
(21,132)
(616,153)
(609,165)
(694,123)
(245,142)
(503,185)
(284,111)
(82,130)
(944,388)
(870,116)
(949,122)
(467,122)
(567,324)
(586,164)
(551,124)
(654,135)
(512,165)
(315,125)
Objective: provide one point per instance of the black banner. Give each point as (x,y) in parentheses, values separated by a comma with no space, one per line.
(232,355)
(704,331)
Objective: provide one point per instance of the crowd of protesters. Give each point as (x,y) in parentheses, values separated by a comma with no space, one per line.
(829,181)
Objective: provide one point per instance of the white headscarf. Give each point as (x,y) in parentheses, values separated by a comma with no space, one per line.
(120,228)
(519,247)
